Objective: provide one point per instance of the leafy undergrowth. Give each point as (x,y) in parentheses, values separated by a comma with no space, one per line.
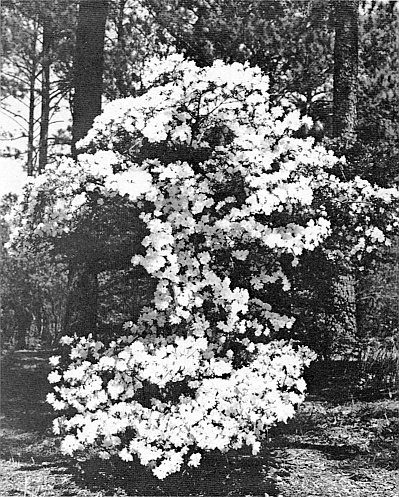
(336,446)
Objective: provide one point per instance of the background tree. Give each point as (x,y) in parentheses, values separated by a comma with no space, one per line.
(36,73)
(47,43)
(345,69)
(82,303)
(88,66)
(345,129)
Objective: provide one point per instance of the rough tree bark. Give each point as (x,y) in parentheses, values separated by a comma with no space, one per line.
(88,66)
(82,301)
(345,69)
(344,128)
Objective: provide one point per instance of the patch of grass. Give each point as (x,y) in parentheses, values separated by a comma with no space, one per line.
(332,448)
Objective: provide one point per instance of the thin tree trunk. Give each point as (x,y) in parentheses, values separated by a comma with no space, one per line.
(32,91)
(45,114)
(121,16)
(23,324)
(119,70)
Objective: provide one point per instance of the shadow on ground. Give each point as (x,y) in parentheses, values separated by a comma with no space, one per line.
(26,418)
(236,475)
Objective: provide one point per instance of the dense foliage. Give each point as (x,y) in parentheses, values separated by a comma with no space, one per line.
(230,203)
(33,286)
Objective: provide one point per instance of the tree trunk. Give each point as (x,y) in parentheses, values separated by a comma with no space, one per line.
(81,310)
(88,66)
(32,91)
(82,301)
(23,323)
(344,128)
(120,67)
(345,69)
(45,114)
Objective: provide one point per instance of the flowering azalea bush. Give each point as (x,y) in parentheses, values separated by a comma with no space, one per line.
(229,200)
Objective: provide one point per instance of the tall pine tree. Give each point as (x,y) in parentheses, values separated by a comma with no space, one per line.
(344,129)
(82,303)
(88,66)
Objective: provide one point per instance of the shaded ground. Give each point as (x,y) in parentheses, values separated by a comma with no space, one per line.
(333,448)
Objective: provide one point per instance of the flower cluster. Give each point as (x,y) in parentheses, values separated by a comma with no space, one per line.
(229,198)
(221,407)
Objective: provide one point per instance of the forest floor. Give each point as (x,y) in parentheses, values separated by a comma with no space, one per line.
(336,446)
